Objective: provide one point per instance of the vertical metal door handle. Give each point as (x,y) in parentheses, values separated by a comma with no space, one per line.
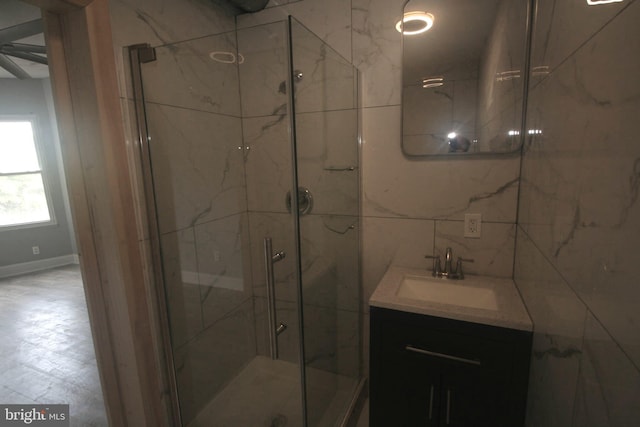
(431,403)
(448,405)
(274,330)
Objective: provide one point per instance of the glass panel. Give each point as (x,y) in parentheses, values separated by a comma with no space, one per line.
(22,200)
(328,166)
(17,147)
(221,171)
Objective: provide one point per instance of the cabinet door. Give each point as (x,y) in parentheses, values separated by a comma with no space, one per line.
(421,391)
(468,397)
(404,389)
(427,372)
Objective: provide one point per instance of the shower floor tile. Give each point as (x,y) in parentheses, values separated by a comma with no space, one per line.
(267,393)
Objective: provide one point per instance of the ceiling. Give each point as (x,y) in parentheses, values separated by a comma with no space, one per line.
(16,12)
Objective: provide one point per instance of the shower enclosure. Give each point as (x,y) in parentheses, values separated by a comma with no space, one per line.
(230,124)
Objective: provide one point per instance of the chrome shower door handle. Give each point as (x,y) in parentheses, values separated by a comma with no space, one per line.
(274,330)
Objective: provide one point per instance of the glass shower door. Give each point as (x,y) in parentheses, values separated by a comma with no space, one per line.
(327,167)
(226,142)
(209,155)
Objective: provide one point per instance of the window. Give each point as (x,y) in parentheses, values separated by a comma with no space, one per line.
(23,199)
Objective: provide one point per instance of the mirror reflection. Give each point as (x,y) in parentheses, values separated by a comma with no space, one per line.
(463,76)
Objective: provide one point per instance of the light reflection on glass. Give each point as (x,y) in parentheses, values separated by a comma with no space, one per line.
(599,2)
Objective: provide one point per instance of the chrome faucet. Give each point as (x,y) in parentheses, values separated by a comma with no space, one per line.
(448,272)
(447,263)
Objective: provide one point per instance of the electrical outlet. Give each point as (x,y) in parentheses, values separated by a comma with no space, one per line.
(216,256)
(35,250)
(473,225)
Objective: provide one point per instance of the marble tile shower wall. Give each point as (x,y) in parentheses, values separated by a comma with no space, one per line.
(268,170)
(328,164)
(326,121)
(194,120)
(577,263)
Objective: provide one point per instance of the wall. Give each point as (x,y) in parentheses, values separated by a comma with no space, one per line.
(577,258)
(55,240)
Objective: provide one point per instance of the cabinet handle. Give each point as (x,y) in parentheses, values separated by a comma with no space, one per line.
(431,403)
(448,405)
(442,355)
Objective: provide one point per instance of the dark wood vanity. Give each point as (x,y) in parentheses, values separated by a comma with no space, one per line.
(433,371)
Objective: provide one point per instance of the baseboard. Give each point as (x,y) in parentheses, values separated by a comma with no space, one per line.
(41,264)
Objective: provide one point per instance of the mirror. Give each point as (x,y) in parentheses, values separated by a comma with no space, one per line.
(463,78)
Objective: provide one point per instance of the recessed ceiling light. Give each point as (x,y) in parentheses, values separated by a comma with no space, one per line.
(415,23)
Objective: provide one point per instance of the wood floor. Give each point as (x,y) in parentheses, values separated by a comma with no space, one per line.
(46,351)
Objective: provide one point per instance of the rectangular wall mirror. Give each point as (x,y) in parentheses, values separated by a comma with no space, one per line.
(464,76)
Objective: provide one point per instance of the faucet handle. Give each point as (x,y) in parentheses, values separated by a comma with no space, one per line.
(459,272)
(437,267)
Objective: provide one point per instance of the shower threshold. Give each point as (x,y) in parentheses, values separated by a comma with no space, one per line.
(267,393)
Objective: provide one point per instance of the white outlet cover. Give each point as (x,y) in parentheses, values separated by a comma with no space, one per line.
(473,225)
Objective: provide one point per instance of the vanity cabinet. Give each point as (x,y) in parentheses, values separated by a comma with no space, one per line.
(433,371)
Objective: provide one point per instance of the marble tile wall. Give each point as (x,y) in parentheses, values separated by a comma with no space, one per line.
(576,262)
(328,164)
(328,160)
(198,168)
(268,170)
(327,126)
(559,319)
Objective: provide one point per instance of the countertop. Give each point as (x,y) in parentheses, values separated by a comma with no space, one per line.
(511,311)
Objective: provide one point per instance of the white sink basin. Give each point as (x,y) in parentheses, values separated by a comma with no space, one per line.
(493,301)
(445,291)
